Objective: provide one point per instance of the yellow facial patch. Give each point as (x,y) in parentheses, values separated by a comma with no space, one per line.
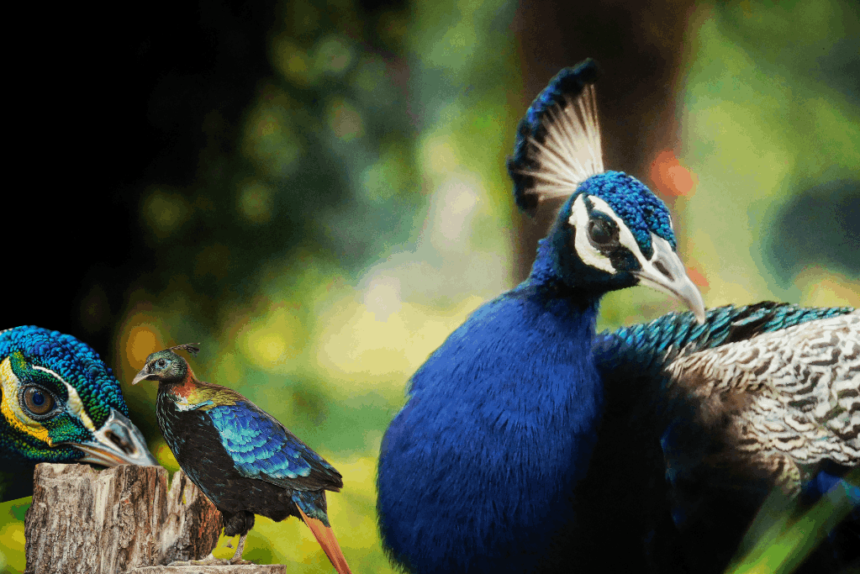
(11,409)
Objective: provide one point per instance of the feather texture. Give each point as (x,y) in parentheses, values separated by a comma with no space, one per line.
(263,448)
(486,467)
(758,397)
(793,396)
(244,460)
(558,142)
(327,541)
(476,468)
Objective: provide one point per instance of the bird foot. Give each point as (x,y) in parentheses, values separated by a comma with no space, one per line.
(237,557)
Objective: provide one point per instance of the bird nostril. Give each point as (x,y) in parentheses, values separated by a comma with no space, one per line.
(662,269)
(124,445)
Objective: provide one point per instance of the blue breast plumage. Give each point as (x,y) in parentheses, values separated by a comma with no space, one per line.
(483,469)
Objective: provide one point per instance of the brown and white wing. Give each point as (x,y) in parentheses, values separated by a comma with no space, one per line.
(786,400)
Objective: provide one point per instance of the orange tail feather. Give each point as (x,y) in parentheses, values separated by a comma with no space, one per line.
(326,539)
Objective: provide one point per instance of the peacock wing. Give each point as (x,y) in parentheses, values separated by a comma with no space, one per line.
(786,399)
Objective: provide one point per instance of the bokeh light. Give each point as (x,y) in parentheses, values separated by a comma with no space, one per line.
(360,210)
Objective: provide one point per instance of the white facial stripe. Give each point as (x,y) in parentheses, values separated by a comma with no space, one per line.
(586,251)
(74,405)
(590,255)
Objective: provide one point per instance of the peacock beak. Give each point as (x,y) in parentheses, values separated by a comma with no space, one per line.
(118,442)
(665,272)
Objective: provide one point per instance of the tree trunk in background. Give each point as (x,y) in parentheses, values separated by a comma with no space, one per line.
(640,49)
(87,522)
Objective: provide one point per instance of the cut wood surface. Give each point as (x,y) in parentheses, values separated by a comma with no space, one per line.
(87,522)
(243,569)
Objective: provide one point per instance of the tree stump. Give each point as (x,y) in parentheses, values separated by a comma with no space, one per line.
(119,520)
(243,569)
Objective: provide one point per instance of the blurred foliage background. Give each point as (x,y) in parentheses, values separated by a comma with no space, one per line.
(315,190)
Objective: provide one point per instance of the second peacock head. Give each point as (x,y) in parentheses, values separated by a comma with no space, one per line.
(59,402)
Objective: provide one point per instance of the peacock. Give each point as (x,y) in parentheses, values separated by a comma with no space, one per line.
(243,460)
(60,403)
(691,421)
(484,468)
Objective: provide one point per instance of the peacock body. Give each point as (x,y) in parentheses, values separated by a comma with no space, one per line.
(483,468)
(529,445)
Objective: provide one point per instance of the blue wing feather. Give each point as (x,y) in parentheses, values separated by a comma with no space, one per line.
(654,345)
(262,448)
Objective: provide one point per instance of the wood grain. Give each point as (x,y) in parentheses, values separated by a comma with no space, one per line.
(87,522)
(239,569)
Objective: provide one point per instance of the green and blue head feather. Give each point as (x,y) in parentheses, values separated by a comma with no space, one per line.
(74,360)
(558,154)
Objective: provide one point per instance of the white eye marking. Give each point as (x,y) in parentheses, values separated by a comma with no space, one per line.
(586,251)
(589,254)
(74,405)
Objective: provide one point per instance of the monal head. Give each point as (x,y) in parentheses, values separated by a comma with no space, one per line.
(166,366)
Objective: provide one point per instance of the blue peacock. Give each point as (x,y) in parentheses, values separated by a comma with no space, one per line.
(60,403)
(480,470)
(527,444)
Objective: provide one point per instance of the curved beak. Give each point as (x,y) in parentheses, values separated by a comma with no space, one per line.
(117,442)
(141,376)
(665,272)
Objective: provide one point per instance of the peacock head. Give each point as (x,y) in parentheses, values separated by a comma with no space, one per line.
(612,232)
(60,403)
(166,366)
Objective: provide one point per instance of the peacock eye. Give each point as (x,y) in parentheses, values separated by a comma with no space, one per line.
(38,401)
(160,364)
(601,232)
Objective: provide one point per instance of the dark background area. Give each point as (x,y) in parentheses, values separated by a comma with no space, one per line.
(108,103)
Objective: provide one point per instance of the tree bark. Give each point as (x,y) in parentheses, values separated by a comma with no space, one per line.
(121,519)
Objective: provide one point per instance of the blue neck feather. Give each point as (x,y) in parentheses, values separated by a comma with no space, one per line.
(499,428)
